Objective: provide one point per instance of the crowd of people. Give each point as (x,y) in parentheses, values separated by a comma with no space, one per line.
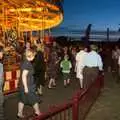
(36,70)
(40,69)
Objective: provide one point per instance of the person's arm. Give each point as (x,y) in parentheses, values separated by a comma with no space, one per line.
(24,80)
(61,64)
(119,60)
(77,57)
(70,64)
(100,63)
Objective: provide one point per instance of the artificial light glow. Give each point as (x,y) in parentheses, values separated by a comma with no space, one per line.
(21,10)
(30,15)
(36,20)
(26,9)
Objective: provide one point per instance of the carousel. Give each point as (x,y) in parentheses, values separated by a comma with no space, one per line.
(18,20)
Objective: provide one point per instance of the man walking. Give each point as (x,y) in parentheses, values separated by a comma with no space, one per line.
(92,65)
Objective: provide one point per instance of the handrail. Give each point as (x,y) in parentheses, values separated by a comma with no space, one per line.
(55,110)
(73,104)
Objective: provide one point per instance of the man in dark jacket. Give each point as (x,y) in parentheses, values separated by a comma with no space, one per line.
(39,68)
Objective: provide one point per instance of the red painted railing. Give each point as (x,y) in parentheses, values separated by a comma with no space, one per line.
(78,106)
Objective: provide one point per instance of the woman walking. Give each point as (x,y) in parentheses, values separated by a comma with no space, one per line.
(27,86)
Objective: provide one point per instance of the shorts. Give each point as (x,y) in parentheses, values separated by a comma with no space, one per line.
(30,98)
(66,76)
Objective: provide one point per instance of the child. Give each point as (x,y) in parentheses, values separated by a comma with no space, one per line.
(66,65)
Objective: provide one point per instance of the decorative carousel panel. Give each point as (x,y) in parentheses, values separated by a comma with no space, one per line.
(30,15)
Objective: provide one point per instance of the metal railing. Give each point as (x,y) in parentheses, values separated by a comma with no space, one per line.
(78,106)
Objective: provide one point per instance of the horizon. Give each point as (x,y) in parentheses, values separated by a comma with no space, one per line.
(95,35)
(101,14)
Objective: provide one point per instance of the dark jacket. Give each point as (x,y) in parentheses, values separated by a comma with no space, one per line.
(39,69)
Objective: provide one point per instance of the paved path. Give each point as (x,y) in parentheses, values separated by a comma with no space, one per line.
(107,106)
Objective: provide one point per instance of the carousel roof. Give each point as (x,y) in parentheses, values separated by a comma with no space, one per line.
(29,15)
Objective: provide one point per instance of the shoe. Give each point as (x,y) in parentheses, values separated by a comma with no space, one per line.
(40,101)
(68,84)
(50,87)
(20,117)
(54,85)
(41,94)
(36,115)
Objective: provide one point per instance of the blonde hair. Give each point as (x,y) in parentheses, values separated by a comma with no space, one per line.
(29,53)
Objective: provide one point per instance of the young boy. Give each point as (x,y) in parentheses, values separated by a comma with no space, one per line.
(66,65)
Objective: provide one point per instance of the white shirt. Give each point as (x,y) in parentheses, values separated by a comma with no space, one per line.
(93,59)
(80,63)
(80,57)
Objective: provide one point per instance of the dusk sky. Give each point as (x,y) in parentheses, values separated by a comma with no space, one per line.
(100,13)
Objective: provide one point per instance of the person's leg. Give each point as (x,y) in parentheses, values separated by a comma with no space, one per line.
(40,90)
(20,109)
(37,109)
(65,83)
(118,77)
(68,81)
(81,79)
(51,83)
(68,78)
(54,83)
(64,79)
(81,83)
(85,77)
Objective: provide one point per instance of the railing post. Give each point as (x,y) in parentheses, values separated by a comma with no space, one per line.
(75,108)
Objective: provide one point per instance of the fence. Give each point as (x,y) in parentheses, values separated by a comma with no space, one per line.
(78,106)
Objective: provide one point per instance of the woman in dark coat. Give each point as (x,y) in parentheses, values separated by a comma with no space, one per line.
(39,71)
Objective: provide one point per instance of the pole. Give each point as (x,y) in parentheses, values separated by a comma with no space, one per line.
(108,34)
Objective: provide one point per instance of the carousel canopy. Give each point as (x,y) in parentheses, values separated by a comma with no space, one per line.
(30,15)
